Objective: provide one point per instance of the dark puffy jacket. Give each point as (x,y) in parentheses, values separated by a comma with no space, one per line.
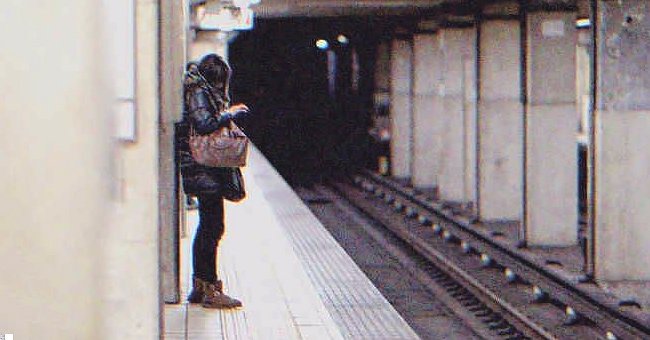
(201,111)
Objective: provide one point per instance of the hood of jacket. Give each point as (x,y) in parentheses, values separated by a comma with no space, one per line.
(193,78)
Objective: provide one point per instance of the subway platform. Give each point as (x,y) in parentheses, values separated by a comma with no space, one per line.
(294,280)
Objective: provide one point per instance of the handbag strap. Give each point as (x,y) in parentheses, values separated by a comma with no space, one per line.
(232,130)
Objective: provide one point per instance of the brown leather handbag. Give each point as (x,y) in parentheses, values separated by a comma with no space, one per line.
(226,147)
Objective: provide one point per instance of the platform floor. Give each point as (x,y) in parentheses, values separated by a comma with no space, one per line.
(294,280)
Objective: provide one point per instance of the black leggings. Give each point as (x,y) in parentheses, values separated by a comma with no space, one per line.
(208,234)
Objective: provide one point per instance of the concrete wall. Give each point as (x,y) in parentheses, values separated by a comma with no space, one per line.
(56,179)
(80,242)
(622,125)
(427,110)
(458,132)
(552,124)
(401,129)
(132,286)
(501,121)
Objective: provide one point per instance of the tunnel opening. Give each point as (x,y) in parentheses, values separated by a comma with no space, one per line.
(309,83)
(320,104)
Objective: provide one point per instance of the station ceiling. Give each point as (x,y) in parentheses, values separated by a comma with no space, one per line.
(319,8)
(330,8)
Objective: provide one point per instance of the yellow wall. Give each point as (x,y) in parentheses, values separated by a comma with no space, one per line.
(55,182)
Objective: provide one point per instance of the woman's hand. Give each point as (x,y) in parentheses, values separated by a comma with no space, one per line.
(237,108)
(230,113)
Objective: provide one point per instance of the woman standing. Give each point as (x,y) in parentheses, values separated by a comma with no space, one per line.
(206,109)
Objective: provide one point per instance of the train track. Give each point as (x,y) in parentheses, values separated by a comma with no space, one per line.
(483,321)
(513,296)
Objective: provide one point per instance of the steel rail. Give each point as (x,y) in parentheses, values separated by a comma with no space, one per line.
(601,310)
(521,322)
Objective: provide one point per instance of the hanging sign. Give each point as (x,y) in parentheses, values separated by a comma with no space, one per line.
(228,19)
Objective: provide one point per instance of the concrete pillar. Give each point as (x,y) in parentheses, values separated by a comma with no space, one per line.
(583,79)
(458,132)
(427,110)
(401,123)
(622,208)
(381,101)
(56,179)
(551,129)
(500,120)
(205,42)
(173,50)
(470,114)
(382,78)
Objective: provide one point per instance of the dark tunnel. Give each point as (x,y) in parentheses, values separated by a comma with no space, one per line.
(311,105)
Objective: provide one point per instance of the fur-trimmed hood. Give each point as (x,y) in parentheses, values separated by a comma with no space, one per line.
(194,79)
(193,76)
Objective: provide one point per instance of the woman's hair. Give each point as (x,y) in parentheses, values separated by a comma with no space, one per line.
(215,70)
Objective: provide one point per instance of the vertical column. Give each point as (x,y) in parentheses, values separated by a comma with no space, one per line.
(381,116)
(172,61)
(55,147)
(458,115)
(622,208)
(401,129)
(552,122)
(427,109)
(206,42)
(382,78)
(584,102)
(500,123)
(470,114)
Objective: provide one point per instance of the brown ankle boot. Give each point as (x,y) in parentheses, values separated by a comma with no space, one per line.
(198,291)
(215,298)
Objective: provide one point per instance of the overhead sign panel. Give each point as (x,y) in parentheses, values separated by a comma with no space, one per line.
(227,19)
